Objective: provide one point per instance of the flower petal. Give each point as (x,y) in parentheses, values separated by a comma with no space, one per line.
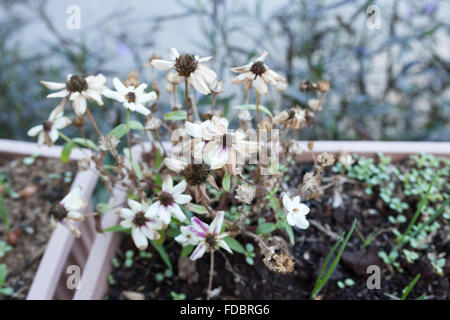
(139,238)
(198,252)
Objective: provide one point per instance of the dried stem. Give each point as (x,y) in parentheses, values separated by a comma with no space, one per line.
(211,275)
(186,98)
(94,124)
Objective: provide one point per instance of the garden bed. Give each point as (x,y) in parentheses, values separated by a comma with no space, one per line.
(143,276)
(37,183)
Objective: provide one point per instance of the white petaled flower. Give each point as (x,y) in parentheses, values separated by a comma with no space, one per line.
(143,226)
(257,74)
(297,212)
(47,132)
(209,236)
(223,148)
(79,89)
(133,98)
(69,209)
(169,200)
(190,67)
(187,237)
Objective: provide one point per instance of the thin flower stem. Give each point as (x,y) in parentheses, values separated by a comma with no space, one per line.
(211,275)
(128,133)
(186,98)
(213,101)
(94,124)
(66,138)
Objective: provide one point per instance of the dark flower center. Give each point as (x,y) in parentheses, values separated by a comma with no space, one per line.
(76,84)
(211,242)
(58,212)
(131,97)
(79,122)
(196,174)
(227,140)
(140,219)
(258,68)
(47,125)
(185,64)
(165,198)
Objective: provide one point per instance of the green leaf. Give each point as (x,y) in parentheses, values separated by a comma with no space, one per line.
(137,169)
(159,159)
(3,273)
(119,131)
(66,151)
(322,280)
(234,245)
(197,208)
(163,254)
(253,107)
(85,143)
(4,213)
(117,228)
(176,115)
(136,125)
(290,232)
(266,227)
(226,182)
(187,250)
(410,287)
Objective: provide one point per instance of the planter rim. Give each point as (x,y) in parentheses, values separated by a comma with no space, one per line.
(94,284)
(61,242)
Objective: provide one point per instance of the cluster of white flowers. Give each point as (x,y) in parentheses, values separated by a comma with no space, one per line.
(211,142)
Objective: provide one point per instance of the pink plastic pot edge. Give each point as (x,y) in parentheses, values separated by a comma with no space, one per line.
(63,248)
(94,282)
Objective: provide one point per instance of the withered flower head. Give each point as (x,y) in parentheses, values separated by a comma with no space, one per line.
(108,143)
(346,159)
(310,183)
(153,123)
(245,193)
(280,262)
(307,85)
(314,104)
(133,79)
(196,174)
(326,159)
(323,86)
(79,122)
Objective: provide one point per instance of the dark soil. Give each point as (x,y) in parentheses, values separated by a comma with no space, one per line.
(238,280)
(39,185)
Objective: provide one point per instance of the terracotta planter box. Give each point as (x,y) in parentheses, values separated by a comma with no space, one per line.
(94,281)
(63,249)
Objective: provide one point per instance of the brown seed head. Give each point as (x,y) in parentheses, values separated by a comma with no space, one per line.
(76,84)
(196,174)
(258,68)
(131,97)
(58,212)
(166,199)
(140,219)
(185,64)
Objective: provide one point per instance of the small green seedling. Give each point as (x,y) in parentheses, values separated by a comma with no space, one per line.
(4,248)
(129,258)
(249,253)
(145,254)
(8,291)
(438,266)
(111,280)
(115,262)
(178,296)
(346,283)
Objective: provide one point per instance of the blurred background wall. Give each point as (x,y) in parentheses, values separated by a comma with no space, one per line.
(390,83)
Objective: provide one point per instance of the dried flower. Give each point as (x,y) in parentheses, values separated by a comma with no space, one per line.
(108,143)
(223,147)
(133,79)
(132,98)
(310,183)
(346,159)
(279,262)
(295,118)
(281,86)
(314,104)
(143,225)
(218,86)
(323,86)
(79,89)
(190,67)
(296,148)
(257,74)
(326,159)
(297,212)
(245,193)
(209,236)
(173,77)
(153,124)
(48,131)
(69,209)
(84,164)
